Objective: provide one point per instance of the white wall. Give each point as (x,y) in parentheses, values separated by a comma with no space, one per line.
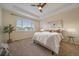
(70,20)
(11,19)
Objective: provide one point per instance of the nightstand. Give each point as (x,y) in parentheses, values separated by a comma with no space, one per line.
(71,38)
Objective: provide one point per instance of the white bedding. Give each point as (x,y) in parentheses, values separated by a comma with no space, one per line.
(51,40)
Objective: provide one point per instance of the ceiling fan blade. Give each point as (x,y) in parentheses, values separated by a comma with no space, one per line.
(33,5)
(43,5)
(39,5)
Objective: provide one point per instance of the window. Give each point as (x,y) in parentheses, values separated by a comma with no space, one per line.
(23,24)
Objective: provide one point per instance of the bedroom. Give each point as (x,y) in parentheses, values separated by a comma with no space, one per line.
(54,16)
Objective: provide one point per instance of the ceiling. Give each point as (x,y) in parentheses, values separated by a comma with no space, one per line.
(30,11)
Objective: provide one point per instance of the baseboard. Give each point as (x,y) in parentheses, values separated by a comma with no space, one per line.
(22,39)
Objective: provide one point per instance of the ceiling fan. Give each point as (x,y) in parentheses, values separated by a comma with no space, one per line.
(39,6)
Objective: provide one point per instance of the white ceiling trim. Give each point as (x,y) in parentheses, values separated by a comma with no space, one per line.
(70,7)
(19,12)
(25,11)
(33,12)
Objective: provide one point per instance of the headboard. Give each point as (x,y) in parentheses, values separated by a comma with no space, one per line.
(55,24)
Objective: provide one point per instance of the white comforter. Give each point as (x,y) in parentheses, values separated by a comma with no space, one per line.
(49,40)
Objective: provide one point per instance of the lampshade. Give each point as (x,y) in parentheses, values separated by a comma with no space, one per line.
(42,29)
(39,8)
(71,32)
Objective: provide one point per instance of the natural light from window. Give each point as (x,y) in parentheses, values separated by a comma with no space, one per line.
(23,24)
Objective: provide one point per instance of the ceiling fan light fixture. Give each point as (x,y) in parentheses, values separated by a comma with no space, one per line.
(40,8)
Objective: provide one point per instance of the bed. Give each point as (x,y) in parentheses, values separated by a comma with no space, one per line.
(51,35)
(50,40)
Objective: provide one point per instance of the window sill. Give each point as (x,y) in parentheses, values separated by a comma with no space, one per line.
(25,31)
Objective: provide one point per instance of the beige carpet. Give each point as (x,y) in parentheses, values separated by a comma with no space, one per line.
(26,47)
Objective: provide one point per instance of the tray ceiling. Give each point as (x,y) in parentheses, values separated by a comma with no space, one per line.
(33,12)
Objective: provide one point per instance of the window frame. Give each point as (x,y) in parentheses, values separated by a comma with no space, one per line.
(21,18)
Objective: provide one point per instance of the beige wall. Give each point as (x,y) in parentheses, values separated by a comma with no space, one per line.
(0,24)
(70,20)
(11,19)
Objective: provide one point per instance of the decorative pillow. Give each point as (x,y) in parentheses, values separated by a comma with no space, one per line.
(58,30)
